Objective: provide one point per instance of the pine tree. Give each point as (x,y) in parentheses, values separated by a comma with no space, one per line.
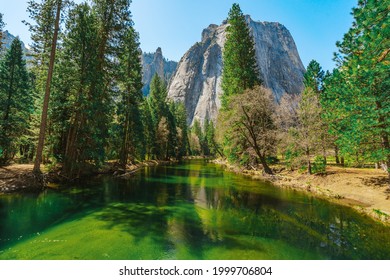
(161,116)
(357,98)
(182,130)
(211,138)
(1,31)
(314,76)
(314,81)
(15,100)
(240,69)
(47,16)
(74,106)
(129,114)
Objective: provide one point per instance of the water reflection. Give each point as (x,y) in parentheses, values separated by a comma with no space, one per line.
(191,211)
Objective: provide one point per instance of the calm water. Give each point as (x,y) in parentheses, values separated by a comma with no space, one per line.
(189,211)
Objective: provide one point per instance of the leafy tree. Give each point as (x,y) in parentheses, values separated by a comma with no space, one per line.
(250,123)
(240,69)
(15,101)
(314,80)
(304,135)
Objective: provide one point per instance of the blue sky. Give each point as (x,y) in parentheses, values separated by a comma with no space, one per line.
(175,25)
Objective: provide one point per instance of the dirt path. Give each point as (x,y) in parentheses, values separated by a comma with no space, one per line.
(15,177)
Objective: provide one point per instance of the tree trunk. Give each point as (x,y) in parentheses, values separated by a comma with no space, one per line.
(336,154)
(309,171)
(263,161)
(42,131)
(267,169)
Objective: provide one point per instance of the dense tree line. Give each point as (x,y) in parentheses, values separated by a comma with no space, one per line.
(343,115)
(86,76)
(82,104)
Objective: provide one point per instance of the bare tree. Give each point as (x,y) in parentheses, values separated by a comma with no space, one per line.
(300,126)
(249,120)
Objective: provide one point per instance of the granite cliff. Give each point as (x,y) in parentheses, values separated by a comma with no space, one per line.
(197,80)
(7,39)
(153,63)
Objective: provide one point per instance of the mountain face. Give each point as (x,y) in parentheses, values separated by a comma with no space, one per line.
(197,80)
(7,39)
(153,63)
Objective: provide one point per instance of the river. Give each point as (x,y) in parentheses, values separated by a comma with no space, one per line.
(194,210)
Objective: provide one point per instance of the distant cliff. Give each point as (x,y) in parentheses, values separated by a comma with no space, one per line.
(153,63)
(197,80)
(7,39)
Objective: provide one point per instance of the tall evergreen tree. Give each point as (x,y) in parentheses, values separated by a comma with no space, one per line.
(45,33)
(159,113)
(314,80)
(358,98)
(15,100)
(182,130)
(74,105)
(1,31)
(314,76)
(240,69)
(129,114)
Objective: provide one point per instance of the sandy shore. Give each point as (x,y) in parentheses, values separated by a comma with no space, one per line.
(366,190)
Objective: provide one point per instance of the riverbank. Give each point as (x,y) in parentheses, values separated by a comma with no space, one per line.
(366,190)
(19,177)
(15,177)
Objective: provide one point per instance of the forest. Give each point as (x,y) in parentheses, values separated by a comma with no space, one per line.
(92,168)
(78,104)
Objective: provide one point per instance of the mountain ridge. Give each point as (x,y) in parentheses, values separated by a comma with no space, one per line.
(197,79)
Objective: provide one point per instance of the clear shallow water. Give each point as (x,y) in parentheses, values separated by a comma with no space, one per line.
(194,210)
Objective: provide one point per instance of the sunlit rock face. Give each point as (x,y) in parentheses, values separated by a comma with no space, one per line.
(197,80)
(155,63)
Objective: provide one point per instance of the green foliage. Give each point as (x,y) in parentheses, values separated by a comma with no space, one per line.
(357,94)
(180,115)
(240,69)
(249,125)
(205,143)
(165,124)
(319,165)
(291,156)
(15,101)
(302,129)
(272,159)
(1,31)
(314,76)
(129,115)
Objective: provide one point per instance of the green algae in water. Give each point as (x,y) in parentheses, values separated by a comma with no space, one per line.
(189,211)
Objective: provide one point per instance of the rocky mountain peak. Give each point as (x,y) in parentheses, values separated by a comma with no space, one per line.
(197,80)
(153,63)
